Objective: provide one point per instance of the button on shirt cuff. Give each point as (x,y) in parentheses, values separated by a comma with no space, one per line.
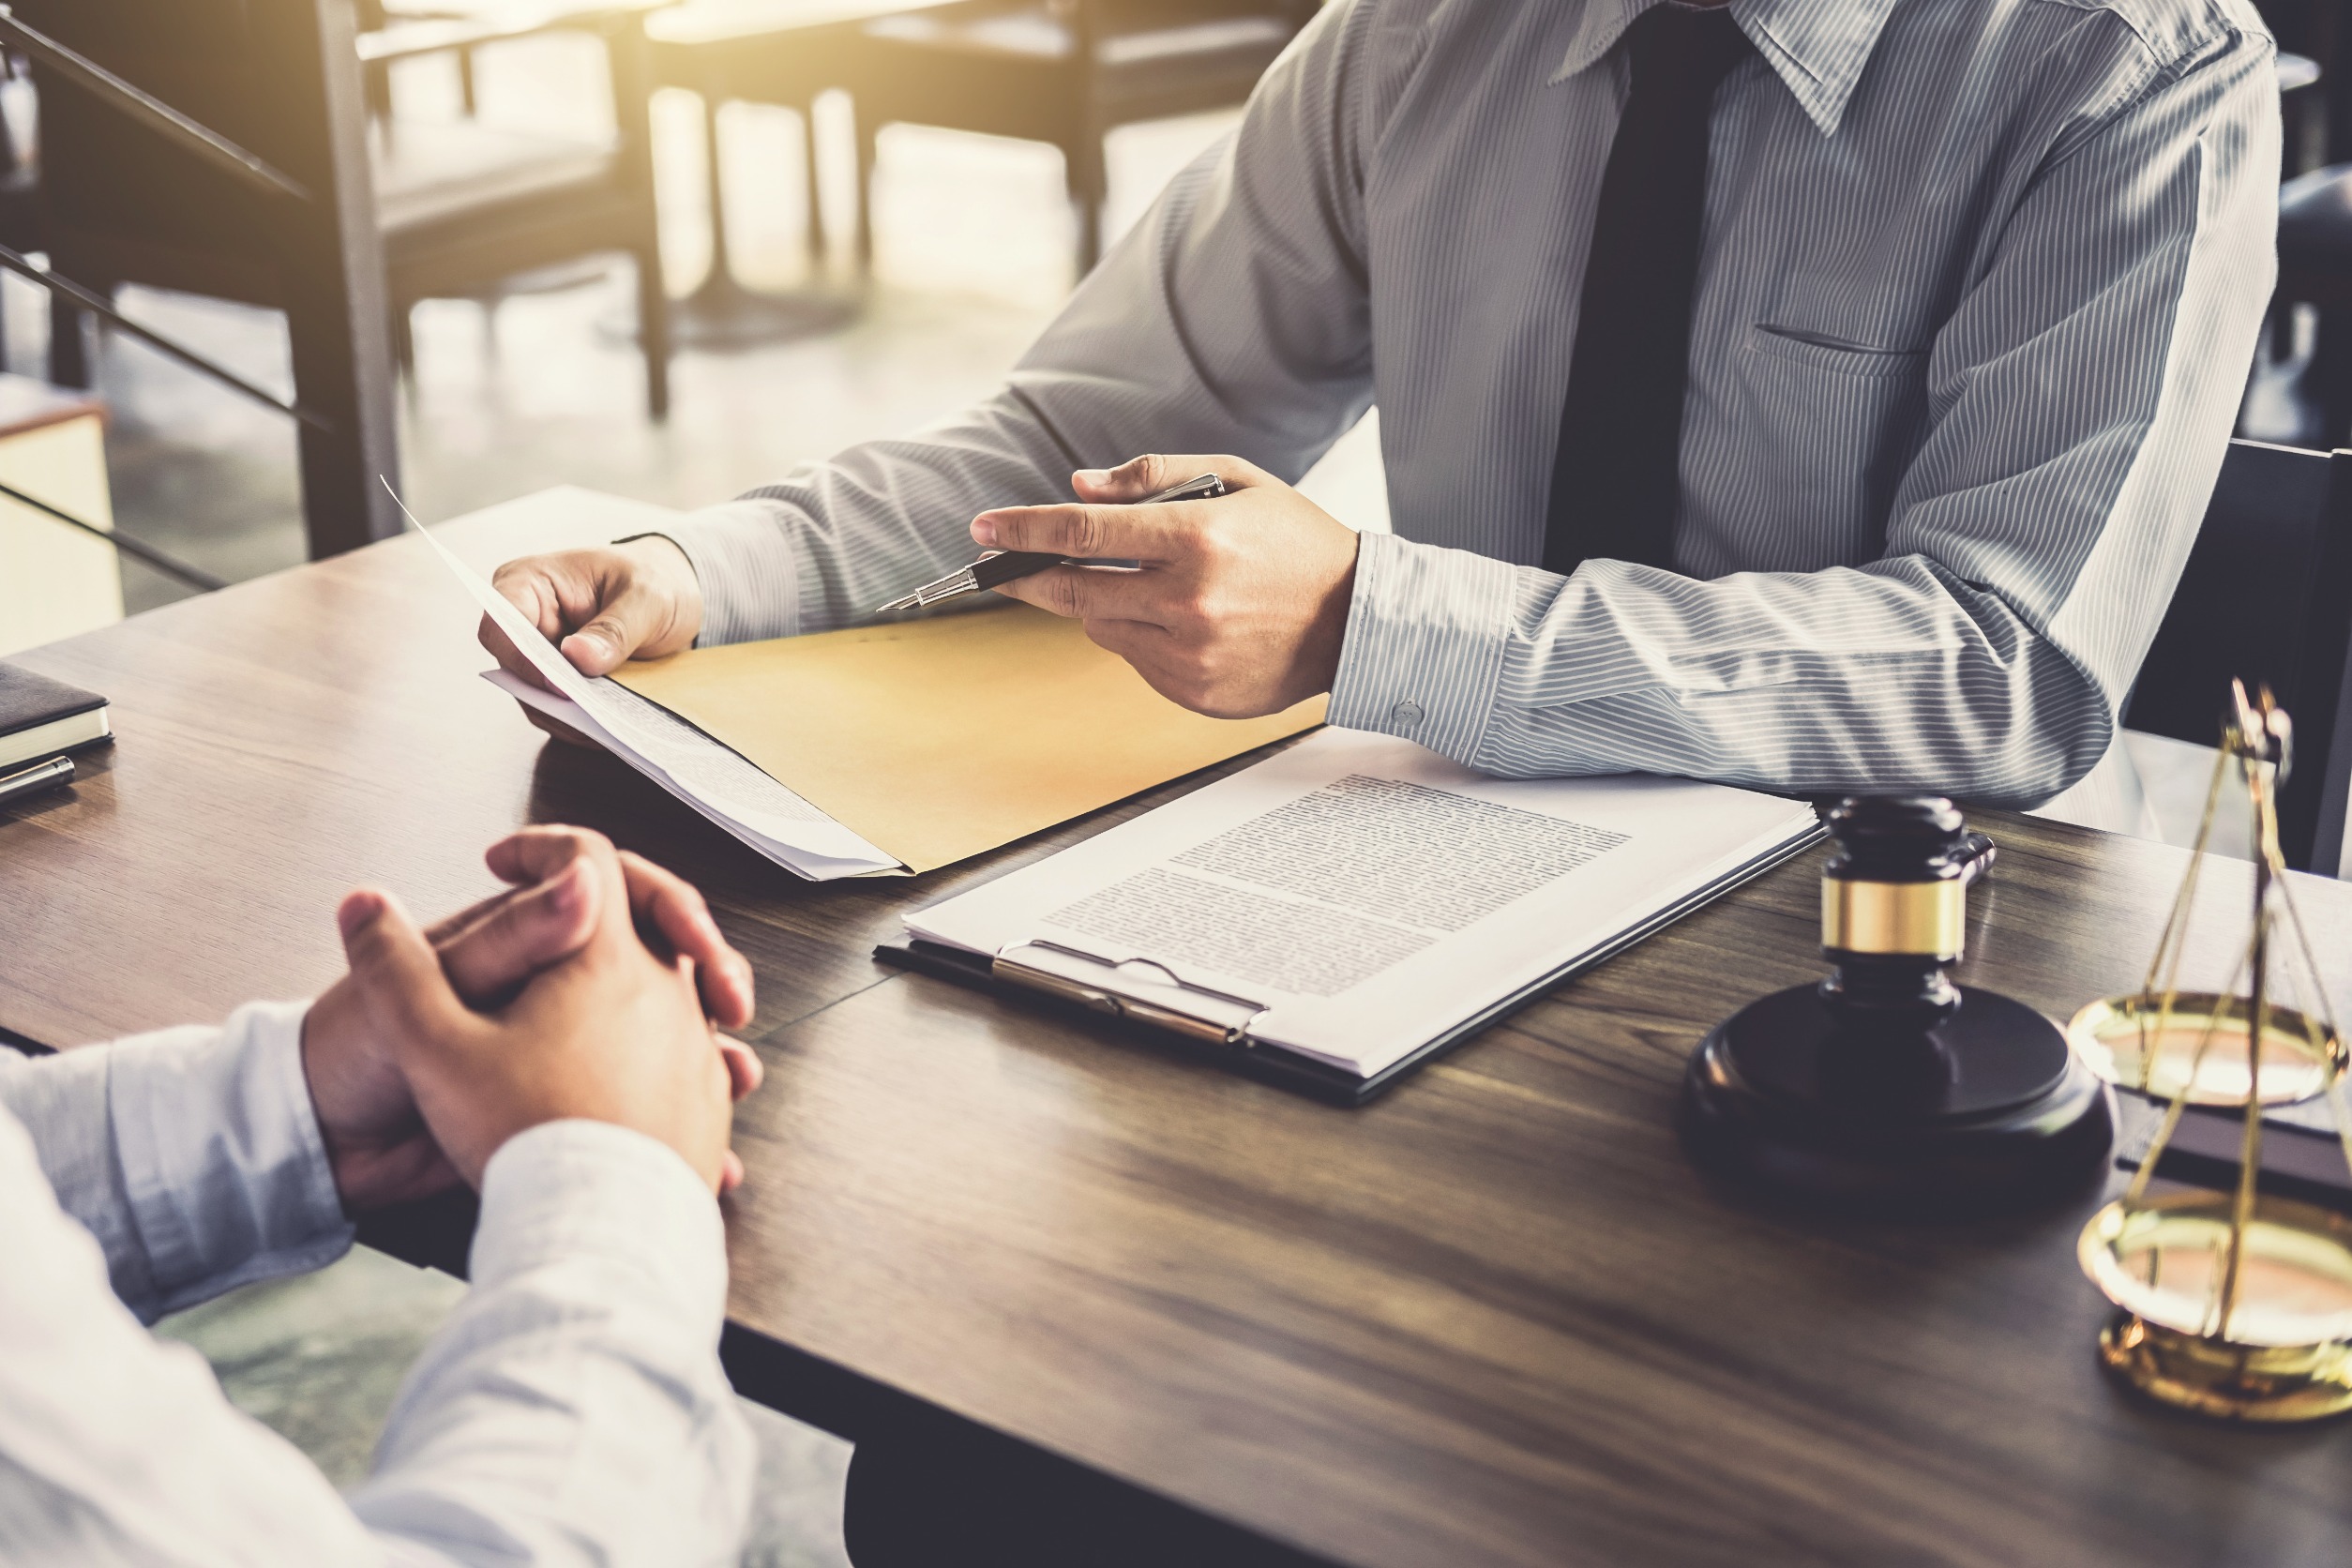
(222,1162)
(1423,656)
(567,1190)
(746,565)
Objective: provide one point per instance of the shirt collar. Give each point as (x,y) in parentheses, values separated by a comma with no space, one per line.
(1818,47)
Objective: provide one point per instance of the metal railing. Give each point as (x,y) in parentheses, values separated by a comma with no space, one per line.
(213,149)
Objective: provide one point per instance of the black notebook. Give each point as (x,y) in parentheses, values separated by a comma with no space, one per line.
(41,717)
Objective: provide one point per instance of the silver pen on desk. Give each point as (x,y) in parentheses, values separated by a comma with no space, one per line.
(27,782)
(1003,565)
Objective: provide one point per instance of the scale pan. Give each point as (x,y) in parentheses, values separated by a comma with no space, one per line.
(2160,1262)
(2128,1041)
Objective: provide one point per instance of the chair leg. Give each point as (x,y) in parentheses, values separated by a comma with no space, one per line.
(816,186)
(867,153)
(403,333)
(465,83)
(1089,187)
(2331,373)
(653,331)
(68,350)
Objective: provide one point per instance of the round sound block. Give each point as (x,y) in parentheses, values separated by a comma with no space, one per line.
(1987,1110)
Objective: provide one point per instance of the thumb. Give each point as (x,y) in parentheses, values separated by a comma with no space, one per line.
(618,630)
(397,971)
(1131,481)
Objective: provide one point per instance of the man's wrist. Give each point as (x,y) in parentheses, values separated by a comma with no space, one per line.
(1422,653)
(664,565)
(746,569)
(223,1163)
(576,1188)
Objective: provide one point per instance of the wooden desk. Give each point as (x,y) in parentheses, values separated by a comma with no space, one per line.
(1493,1319)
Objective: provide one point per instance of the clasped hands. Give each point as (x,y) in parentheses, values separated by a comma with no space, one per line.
(595,986)
(1238,607)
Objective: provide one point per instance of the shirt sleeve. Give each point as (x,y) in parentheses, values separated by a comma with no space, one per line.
(192,1156)
(1234,318)
(2082,396)
(572,1411)
(115,1447)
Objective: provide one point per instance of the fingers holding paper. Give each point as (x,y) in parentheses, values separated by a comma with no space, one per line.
(601,606)
(1238,605)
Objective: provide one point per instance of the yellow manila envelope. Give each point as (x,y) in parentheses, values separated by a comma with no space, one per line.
(938,739)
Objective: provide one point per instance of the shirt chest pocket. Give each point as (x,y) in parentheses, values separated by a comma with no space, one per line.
(1823,429)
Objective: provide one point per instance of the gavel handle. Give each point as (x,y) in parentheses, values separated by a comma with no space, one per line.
(1980,851)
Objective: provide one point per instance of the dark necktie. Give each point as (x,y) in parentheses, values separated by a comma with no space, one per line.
(1614,483)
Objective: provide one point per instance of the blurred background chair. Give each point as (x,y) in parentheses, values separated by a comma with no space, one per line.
(2298,393)
(20,227)
(203,134)
(1064,71)
(460,205)
(2266,597)
(785,53)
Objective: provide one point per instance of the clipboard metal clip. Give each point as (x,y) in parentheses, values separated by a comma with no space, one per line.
(1058,970)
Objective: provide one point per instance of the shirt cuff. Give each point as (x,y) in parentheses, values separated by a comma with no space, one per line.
(1422,658)
(744,558)
(223,1161)
(564,1190)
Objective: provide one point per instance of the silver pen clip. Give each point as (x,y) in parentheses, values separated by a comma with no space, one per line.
(948,587)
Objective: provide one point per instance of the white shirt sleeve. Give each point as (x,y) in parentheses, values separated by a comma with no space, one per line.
(191,1155)
(572,1410)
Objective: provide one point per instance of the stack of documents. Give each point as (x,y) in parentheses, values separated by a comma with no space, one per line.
(886,749)
(1356,902)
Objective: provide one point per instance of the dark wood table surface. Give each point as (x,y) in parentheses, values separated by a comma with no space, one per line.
(1492,1319)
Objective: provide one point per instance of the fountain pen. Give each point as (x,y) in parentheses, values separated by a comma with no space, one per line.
(1003,565)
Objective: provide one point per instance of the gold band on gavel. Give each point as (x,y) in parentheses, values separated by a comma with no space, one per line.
(1924,917)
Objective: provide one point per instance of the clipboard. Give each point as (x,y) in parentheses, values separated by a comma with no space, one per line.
(1209,1040)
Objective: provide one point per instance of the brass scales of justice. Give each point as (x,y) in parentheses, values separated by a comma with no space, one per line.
(2233,1303)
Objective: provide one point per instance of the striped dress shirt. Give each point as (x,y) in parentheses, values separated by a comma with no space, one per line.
(1979,288)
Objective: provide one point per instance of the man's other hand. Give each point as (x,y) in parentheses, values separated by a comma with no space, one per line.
(615,1032)
(379,1147)
(599,606)
(1240,604)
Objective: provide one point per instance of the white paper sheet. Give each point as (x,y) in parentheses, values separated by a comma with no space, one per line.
(716,781)
(1357,896)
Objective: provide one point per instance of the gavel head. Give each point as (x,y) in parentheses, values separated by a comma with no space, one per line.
(1893,910)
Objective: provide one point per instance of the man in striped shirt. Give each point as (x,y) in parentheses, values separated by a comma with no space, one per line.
(1978,285)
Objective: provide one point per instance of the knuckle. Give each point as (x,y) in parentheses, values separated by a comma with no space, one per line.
(1197,609)
(579,841)
(1085,534)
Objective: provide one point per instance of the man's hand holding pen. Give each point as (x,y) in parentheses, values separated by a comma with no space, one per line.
(1238,605)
